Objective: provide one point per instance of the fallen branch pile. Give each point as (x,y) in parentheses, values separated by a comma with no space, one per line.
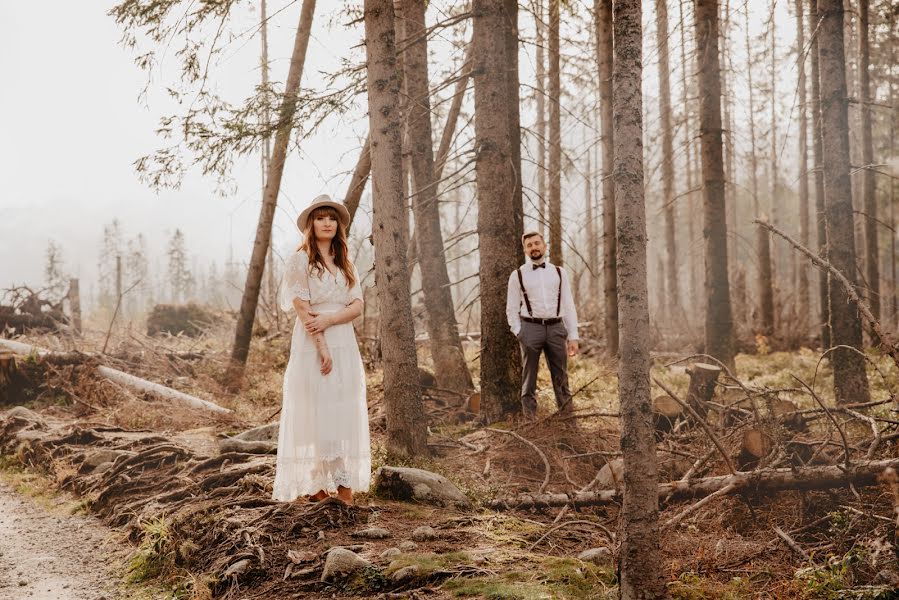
(120,377)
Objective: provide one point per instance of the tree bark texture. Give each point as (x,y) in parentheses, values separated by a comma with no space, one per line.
(443,333)
(869,187)
(688,160)
(765,325)
(818,148)
(513,115)
(850,380)
(804,295)
(540,125)
(250,299)
(499,242)
(719,327)
(673,293)
(555,136)
(640,563)
(604,60)
(406,424)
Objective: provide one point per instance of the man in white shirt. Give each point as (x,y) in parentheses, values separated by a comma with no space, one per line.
(541,313)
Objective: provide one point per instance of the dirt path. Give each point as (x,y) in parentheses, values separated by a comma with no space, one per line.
(49,555)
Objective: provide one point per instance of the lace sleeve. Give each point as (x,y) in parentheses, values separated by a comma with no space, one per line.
(296,280)
(356,290)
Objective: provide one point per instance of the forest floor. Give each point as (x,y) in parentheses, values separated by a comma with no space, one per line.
(190,523)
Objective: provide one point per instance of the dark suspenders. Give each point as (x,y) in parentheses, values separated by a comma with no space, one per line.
(527,301)
(524,292)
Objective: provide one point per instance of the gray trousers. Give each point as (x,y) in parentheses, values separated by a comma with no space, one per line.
(550,340)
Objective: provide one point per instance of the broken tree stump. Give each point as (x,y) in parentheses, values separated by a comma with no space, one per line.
(9,378)
(702,386)
(757,444)
(665,412)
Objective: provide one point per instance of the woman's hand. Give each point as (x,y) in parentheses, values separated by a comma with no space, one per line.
(324,354)
(317,323)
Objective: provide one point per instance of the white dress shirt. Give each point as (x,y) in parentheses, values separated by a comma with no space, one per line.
(542,286)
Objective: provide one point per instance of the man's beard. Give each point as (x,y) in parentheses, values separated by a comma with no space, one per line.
(537,257)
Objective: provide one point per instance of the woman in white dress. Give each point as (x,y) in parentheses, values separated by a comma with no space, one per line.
(323,441)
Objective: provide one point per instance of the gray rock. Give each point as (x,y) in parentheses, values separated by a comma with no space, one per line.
(264,433)
(106,455)
(25,413)
(408,546)
(401,483)
(372,533)
(238,445)
(405,574)
(611,475)
(341,563)
(598,556)
(424,533)
(887,577)
(390,553)
(238,568)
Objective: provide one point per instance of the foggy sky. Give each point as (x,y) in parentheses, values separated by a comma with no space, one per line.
(73,126)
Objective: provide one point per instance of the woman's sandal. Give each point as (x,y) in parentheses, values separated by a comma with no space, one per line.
(319,496)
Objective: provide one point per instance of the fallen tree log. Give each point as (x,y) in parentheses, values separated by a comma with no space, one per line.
(764,480)
(125,379)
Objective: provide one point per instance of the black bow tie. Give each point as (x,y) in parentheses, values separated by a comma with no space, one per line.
(540,266)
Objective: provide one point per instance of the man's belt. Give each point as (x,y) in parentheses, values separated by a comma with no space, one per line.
(551,321)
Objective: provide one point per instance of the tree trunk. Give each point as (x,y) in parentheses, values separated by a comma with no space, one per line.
(265,159)
(640,561)
(592,245)
(358,180)
(495,173)
(443,333)
(604,60)
(727,105)
(765,324)
(250,298)
(869,188)
(513,115)
(719,327)
(817,146)
(773,182)
(555,136)
(673,293)
(74,296)
(850,380)
(406,423)
(540,15)
(688,160)
(894,116)
(452,116)
(804,296)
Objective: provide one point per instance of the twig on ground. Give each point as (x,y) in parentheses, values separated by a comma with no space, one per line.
(792,544)
(696,506)
(566,524)
(536,449)
(829,415)
(702,423)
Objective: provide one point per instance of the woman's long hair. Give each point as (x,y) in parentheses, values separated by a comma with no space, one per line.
(338,246)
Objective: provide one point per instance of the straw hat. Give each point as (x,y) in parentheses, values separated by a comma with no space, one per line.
(324,200)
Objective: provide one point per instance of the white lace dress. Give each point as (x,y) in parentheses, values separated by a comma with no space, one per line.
(323,441)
